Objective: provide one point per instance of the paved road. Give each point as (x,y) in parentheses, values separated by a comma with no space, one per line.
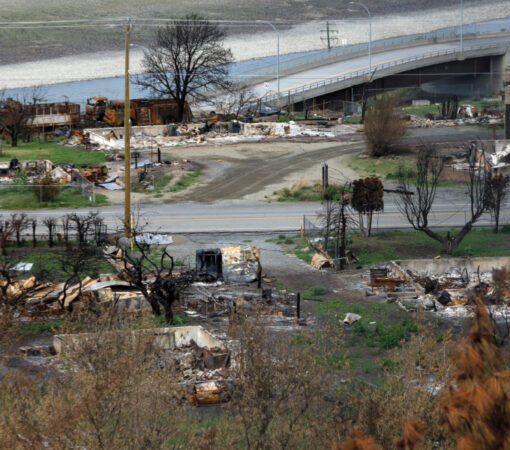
(236,216)
(360,63)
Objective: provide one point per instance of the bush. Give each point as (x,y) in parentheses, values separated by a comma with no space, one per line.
(46,189)
(383,125)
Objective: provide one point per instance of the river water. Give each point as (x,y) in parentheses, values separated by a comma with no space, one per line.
(113,87)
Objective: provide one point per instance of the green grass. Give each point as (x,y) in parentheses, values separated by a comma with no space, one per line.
(55,152)
(387,167)
(422,110)
(23,197)
(351,120)
(46,261)
(479,104)
(384,167)
(159,184)
(392,245)
(295,245)
(391,327)
(160,322)
(306,193)
(40,328)
(185,181)
(313,292)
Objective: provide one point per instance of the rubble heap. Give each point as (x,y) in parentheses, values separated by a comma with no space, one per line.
(445,291)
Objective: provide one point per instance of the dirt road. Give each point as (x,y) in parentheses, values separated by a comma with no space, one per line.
(251,176)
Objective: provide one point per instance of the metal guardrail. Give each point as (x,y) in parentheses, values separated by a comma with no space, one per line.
(441,34)
(377,67)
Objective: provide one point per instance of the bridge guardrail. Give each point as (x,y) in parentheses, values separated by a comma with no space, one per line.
(273,97)
(469,30)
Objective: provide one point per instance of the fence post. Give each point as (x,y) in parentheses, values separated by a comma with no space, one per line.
(40,194)
(93,194)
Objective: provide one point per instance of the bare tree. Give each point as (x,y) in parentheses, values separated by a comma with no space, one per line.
(76,264)
(19,223)
(152,273)
(337,217)
(327,220)
(7,230)
(83,225)
(239,99)
(343,221)
(51,225)
(186,61)
(17,113)
(417,206)
(33,222)
(497,190)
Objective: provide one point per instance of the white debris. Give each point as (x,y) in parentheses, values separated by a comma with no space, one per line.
(23,267)
(150,238)
(350,318)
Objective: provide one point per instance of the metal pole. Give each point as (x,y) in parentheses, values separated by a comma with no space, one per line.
(369,33)
(277,57)
(127,150)
(462,26)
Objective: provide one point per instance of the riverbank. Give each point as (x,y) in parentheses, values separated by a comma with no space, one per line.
(299,38)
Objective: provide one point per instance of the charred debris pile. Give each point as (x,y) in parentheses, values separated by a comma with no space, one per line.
(444,286)
(228,286)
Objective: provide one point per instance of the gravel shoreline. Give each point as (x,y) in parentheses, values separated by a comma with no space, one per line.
(303,37)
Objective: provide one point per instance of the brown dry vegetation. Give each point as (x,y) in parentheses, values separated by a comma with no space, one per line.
(288,390)
(383,125)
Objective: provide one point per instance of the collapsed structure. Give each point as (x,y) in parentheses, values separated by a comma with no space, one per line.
(202,358)
(444,286)
(173,135)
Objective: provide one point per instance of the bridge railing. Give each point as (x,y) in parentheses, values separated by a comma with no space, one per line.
(375,68)
(442,34)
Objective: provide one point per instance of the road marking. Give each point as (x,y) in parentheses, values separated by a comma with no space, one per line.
(220,219)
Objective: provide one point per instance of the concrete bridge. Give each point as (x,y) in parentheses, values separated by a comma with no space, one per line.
(393,68)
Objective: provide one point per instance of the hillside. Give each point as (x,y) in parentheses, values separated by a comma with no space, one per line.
(20,45)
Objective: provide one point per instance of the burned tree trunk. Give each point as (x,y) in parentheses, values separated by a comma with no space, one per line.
(416,206)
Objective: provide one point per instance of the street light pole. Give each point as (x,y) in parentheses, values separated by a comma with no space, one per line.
(127,132)
(277,57)
(462,27)
(369,33)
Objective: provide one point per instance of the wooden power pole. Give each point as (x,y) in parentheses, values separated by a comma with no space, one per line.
(127,136)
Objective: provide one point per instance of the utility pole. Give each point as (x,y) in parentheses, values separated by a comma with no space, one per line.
(462,27)
(330,36)
(127,132)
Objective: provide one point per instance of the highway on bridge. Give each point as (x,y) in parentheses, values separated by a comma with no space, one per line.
(301,79)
